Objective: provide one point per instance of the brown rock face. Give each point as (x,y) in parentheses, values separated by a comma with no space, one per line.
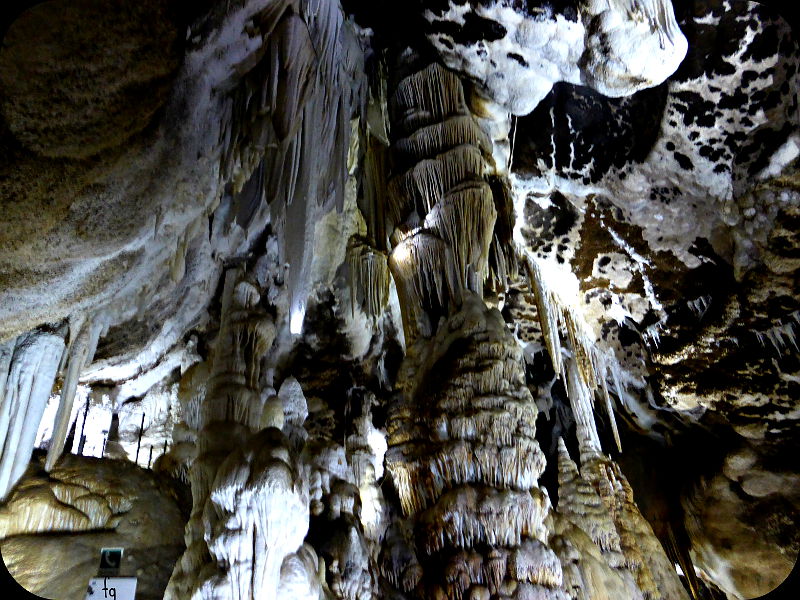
(82,77)
(82,84)
(86,504)
(742,525)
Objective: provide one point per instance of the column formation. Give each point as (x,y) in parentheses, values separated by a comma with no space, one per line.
(249,489)
(465,462)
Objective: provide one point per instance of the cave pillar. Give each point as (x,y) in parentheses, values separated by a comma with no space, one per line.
(462,449)
(249,490)
(465,461)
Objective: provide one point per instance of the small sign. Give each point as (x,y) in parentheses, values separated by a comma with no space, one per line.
(111,588)
(110,561)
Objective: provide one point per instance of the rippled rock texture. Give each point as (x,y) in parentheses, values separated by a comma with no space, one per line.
(54,524)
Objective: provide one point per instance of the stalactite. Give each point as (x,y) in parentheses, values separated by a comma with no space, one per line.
(369,273)
(423,269)
(587,367)
(372,204)
(580,400)
(431,140)
(464,218)
(6,356)
(503,259)
(548,317)
(26,378)
(443,189)
(80,353)
(425,184)
(428,96)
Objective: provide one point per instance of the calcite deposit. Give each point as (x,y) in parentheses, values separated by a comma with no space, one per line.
(443,300)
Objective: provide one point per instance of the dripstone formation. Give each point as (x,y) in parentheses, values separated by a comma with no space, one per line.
(448,300)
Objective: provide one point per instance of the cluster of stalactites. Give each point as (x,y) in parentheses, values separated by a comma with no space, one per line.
(441,206)
(285,132)
(465,462)
(424,184)
(367,251)
(583,366)
(29,366)
(300,64)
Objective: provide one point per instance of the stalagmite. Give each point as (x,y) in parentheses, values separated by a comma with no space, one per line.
(258,512)
(229,481)
(580,502)
(463,455)
(342,537)
(644,555)
(300,577)
(398,563)
(587,540)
